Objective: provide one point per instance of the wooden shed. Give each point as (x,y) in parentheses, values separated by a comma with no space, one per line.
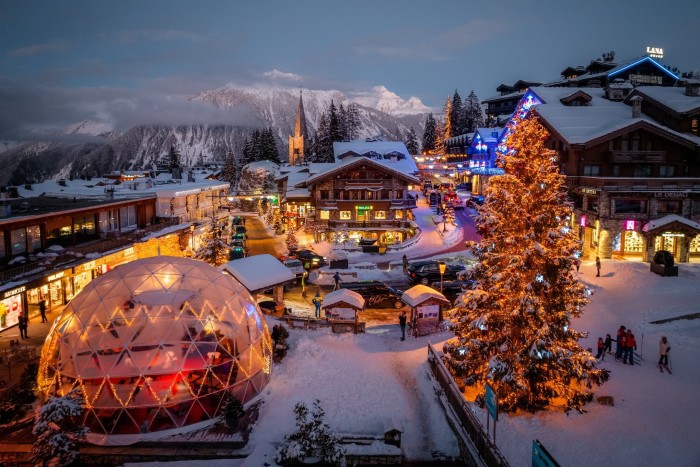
(427,305)
(341,308)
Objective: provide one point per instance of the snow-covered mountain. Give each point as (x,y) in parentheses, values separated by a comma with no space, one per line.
(105,150)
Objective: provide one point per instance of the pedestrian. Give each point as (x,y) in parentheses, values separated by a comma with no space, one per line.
(620,340)
(608,344)
(601,348)
(630,347)
(22,324)
(317,300)
(578,264)
(664,349)
(404,260)
(42,310)
(402,324)
(597,265)
(336,279)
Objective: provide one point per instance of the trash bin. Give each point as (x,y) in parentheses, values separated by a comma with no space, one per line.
(662,264)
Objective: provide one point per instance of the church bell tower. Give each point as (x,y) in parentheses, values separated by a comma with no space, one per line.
(297,143)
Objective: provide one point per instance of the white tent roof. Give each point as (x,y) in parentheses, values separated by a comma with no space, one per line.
(420,293)
(656,223)
(344,295)
(259,272)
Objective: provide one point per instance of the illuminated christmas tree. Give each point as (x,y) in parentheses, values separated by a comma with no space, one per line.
(214,249)
(292,242)
(513,329)
(449,215)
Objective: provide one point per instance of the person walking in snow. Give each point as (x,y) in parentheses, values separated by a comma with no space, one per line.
(664,349)
(42,310)
(336,279)
(402,324)
(630,347)
(597,265)
(601,348)
(317,300)
(620,340)
(608,344)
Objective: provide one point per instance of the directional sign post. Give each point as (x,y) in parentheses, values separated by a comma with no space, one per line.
(491,399)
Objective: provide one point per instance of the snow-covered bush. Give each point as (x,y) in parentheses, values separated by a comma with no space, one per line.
(313,438)
(59,431)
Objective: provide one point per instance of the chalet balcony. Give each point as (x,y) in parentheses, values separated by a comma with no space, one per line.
(362,183)
(654,184)
(638,157)
(374,224)
(395,203)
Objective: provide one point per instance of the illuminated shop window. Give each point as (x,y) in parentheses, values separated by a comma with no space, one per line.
(324,214)
(380,214)
(345,215)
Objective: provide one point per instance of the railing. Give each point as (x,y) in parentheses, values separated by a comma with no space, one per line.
(360,182)
(369,224)
(406,203)
(488,452)
(635,183)
(638,156)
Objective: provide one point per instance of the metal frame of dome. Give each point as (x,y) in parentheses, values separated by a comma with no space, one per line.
(155,345)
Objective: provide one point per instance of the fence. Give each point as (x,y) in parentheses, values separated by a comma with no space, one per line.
(487,451)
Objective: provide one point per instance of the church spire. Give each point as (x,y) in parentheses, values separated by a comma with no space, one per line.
(297,142)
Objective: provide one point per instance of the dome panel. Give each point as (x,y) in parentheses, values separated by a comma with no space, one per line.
(154,344)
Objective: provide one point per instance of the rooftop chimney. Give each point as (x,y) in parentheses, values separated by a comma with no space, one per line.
(692,87)
(636,107)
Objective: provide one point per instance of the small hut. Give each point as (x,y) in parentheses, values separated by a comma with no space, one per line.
(427,305)
(341,308)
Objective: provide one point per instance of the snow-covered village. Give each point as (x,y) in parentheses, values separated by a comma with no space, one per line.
(384,233)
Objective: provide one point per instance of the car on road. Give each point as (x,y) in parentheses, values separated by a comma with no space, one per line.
(315,260)
(476,200)
(453,200)
(376,294)
(240,229)
(296,266)
(427,272)
(238,220)
(237,252)
(464,187)
(238,240)
(452,289)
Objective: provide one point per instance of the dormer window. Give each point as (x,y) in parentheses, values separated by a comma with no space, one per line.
(577,99)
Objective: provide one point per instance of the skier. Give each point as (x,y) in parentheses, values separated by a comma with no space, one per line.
(618,345)
(664,349)
(608,344)
(601,349)
(317,303)
(630,347)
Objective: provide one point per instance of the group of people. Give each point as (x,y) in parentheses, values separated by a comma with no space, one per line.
(626,345)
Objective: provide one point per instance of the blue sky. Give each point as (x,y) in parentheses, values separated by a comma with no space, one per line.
(62,62)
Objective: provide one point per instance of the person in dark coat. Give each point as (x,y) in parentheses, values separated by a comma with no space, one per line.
(597,265)
(22,324)
(620,340)
(42,310)
(336,279)
(317,301)
(630,347)
(402,324)
(404,260)
(608,344)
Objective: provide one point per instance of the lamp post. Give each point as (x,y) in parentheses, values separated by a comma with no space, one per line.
(441,266)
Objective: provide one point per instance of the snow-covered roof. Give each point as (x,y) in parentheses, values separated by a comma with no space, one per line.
(402,168)
(669,219)
(420,293)
(259,272)
(672,97)
(487,134)
(345,296)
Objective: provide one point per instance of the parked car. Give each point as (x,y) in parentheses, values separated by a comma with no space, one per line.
(376,294)
(452,289)
(240,229)
(453,200)
(312,257)
(238,240)
(475,201)
(237,252)
(238,220)
(296,266)
(464,186)
(427,272)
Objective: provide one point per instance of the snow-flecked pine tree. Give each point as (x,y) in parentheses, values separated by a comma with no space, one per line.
(292,242)
(429,134)
(513,328)
(312,440)
(412,142)
(447,126)
(58,430)
(214,249)
(473,114)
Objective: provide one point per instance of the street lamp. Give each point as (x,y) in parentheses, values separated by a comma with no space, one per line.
(441,266)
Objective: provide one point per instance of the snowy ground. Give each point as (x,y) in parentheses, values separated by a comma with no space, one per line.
(363,379)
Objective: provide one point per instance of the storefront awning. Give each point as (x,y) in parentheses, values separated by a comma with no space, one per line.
(672,222)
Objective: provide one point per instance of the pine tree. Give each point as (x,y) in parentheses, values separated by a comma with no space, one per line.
(173,158)
(214,249)
(269,147)
(343,122)
(353,122)
(334,129)
(456,114)
(230,172)
(447,126)
(292,243)
(412,142)
(473,115)
(513,329)
(58,430)
(313,438)
(429,134)
(439,138)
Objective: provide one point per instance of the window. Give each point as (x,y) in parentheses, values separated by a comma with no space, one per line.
(324,214)
(324,194)
(669,207)
(642,170)
(694,125)
(695,209)
(629,206)
(591,170)
(667,170)
(338,194)
(345,215)
(370,195)
(18,241)
(616,170)
(34,237)
(380,215)
(399,214)
(2,244)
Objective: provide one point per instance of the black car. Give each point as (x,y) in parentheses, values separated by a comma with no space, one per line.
(315,260)
(475,201)
(427,272)
(376,294)
(452,289)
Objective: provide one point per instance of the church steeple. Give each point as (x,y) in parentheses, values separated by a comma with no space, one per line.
(297,142)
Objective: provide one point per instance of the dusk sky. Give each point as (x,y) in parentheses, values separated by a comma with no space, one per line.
(62,62)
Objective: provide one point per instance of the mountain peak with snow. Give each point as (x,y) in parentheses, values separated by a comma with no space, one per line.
(391,103)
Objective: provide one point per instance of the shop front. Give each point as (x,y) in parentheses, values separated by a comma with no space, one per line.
(672,233)
(11,306)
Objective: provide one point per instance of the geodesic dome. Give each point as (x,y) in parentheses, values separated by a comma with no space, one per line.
(156,344)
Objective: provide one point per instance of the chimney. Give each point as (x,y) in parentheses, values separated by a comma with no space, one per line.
(636,107)
(692,87)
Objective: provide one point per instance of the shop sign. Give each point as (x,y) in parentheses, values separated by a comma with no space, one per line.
(58,275)
(129,251)
(290,214)
(365,208)
(645,79)
(85,267)
(671,194)
(12,292)
(589,191)
(672,234)
(583,221)
(629,225)
(655,52)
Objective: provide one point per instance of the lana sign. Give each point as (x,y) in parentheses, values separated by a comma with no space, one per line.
(655,52)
